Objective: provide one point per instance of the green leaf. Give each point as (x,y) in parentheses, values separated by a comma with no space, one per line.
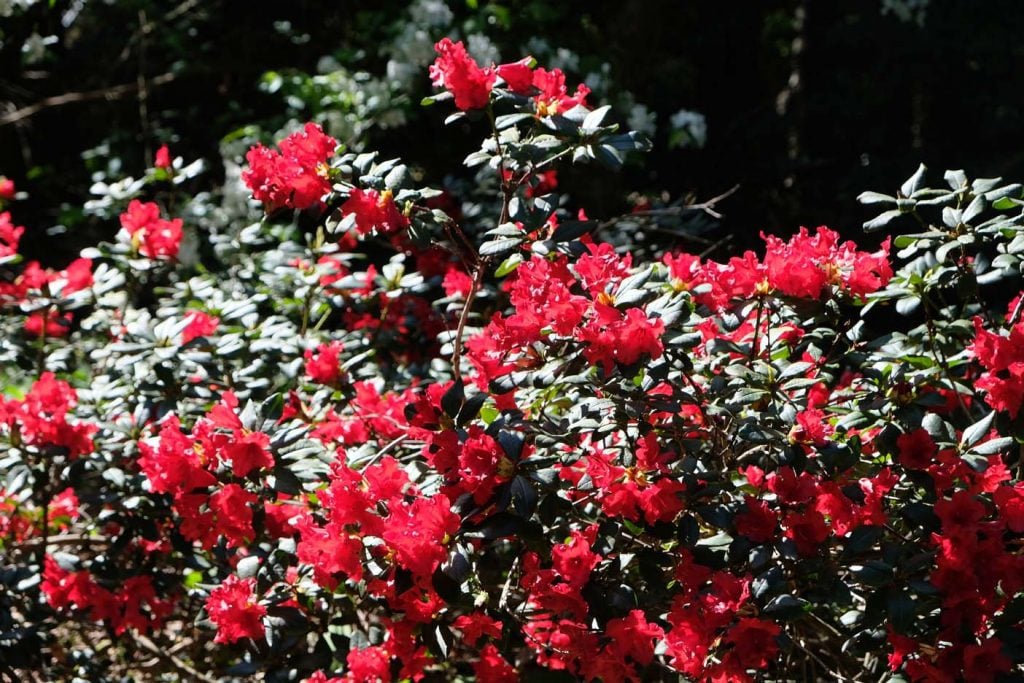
(900,607)
(508,265)
(914,182)
(875,198)
(882,220)
(873,573)
(498,247)
(976,431)
(993,446)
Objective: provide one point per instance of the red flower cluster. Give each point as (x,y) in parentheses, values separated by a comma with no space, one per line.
(457,72)
(40,419)
(153,236)
(374,212)
(644,490)
(188,466)
(10,235)
(547,308)
(234,609)
(708,639)
(134,606)
(471,84)
(808,266)
(35,281)
(1002,357)
(297,176)
(976,573)
(18,521)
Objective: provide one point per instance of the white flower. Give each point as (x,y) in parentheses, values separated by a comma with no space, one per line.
(642,120)
(689,129)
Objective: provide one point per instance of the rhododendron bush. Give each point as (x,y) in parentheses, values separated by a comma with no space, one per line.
(369,430)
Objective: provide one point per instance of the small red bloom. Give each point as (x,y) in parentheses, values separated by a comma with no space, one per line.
(457,282)
(199,325)
(573,560)
(492,667)
(323,365)
(374,211)
(518,76)
(6,188)
(151,235)
(163,157)
(369,665)
(916,449)
(236,611)
(10,235)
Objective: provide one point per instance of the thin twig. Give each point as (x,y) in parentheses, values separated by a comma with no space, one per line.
(148,644)
(111,93)
(478,277)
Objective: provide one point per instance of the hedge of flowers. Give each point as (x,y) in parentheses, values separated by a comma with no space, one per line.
(382,432)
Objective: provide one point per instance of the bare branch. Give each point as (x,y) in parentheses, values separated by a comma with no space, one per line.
(111,93)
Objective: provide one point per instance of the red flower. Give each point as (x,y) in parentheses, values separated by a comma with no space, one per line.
(323,365)
(634,637)
(518,76)
(754,642)
(232,505)
(916,449)
(573,560)
(457,282)
(369,665)
(42,418)
(1009,501)
(151,235)
(10,235)
(476,625)
(758,522)
(297,176)
(418,533)
(199,325)
(456,71)
(248,451)
(174,466)
(163,157)
(48,323)
(235,610)
(983,663)
(492,667)
(6,188)
(374,211)
(554,98)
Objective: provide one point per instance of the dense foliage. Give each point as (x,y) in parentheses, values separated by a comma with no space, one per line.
(356,428)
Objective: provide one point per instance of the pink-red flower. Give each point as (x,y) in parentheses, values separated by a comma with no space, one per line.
(297,176)
(235,610)
(10,235)
(374,212)
(152,235)
(162,158)
(457,72)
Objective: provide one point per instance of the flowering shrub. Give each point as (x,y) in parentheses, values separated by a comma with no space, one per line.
(383,434)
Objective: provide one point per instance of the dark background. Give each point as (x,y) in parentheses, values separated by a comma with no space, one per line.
(867,95)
